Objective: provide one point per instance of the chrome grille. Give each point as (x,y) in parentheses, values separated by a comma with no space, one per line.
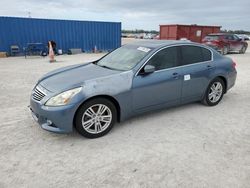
(38,95)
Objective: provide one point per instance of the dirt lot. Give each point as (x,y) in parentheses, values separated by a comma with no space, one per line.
(187,146)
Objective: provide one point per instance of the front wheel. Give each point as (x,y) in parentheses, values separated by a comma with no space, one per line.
(243,50)
(214,92)
(95,118)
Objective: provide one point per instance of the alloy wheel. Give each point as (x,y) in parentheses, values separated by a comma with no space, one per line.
(96,118)
(215,92)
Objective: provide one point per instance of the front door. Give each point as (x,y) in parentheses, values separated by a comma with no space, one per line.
(234,42)
(162,87)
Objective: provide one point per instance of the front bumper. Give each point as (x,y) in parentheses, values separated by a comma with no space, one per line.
(55,119)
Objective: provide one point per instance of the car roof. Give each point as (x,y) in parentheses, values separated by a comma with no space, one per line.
(219,34)
(158,43)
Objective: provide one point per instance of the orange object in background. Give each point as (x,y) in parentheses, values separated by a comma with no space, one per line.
(3,54)
(51,53)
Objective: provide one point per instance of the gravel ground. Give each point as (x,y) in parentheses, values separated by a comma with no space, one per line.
(187,146)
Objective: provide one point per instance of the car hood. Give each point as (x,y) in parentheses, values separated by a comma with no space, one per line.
(73,76)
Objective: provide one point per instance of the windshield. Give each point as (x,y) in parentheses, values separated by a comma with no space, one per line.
(124,58)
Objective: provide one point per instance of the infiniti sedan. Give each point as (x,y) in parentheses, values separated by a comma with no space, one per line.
(131,80)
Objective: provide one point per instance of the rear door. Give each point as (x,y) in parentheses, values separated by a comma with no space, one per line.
(197,64)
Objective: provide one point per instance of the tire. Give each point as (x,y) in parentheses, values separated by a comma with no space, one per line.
(225,50)
(95,118)
(243,50)
(212,98)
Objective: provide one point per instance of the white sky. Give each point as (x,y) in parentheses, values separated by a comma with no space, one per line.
(137,14)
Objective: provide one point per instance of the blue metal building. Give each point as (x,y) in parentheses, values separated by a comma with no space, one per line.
(66,33)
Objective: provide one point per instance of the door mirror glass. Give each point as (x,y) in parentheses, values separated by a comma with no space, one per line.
(149,69)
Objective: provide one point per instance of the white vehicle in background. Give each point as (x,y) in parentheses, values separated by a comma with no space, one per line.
(243,37)
(140,36)
(149,36)
(156,37)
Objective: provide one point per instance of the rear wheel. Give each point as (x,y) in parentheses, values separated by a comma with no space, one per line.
(214,92)
(95,118)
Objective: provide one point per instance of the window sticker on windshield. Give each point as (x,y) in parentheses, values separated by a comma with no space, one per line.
(144,49)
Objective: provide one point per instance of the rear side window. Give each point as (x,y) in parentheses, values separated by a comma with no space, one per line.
(207,55)
(194,54)
(229,37)
(212,37)
(191,54)
(165,58)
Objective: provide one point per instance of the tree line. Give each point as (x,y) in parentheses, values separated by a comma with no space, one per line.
(137,31)
(236,31)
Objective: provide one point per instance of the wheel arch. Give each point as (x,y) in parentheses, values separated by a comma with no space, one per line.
(224,80)
(110,98)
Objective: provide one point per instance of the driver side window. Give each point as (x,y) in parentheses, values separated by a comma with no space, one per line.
(230,37)
(166,58)
(235,37)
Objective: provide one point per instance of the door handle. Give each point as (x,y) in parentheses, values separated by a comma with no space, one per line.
(209,66)
(175,75)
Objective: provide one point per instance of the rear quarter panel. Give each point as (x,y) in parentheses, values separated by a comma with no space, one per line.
(224,68)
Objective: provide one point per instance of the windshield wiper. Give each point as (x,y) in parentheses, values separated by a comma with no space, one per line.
(104,66)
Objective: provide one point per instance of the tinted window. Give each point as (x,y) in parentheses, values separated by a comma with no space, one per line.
(165,58)
(225,37)
(229,37)
(235,37)
(191,54)
(207,56)
(212,37)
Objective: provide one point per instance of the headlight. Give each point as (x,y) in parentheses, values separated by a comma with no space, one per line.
(63,98)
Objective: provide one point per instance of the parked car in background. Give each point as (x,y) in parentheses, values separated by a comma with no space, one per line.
(157,37)
(140,35)
(225,43)
(185,39)
(131,80)
(149,36)
(243,36)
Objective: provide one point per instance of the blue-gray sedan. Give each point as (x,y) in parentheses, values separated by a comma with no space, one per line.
(131,80)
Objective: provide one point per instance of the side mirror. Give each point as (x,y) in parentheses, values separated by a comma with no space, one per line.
(149,69)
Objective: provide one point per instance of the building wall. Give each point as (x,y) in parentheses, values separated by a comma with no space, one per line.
(66,33)
(195,33)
